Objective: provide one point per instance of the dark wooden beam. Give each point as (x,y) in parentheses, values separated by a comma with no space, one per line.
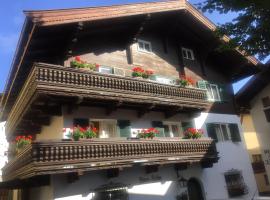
(171,112)
(146,109)
(113,107)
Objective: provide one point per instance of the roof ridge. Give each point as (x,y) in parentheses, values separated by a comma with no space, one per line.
(102,6)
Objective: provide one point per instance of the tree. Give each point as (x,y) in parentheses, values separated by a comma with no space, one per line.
(250,30)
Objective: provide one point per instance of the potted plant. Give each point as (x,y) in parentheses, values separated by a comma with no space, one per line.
(148,133)
(147,73)
(193,133)
(90,132)
(79,63)
(185,81)
(77,133)
(22,141)
(137,72)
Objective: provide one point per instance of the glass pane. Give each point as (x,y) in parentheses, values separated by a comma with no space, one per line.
(175,131)
(225,132)
(147,47)
(215,92)
(105,70)
(166,131)
(218,132)
(209,92)
(141,46)
(189,55)
(184,53)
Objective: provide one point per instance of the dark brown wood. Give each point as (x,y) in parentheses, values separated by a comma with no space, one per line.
(70,84)
(52,157)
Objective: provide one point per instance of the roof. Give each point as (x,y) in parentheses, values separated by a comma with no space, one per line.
(37,20)
(254,86)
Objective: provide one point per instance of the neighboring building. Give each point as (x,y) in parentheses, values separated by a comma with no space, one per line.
(45,97)
(255,155)
(253,100)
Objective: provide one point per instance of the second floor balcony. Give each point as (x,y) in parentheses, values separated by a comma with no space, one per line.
(48,87)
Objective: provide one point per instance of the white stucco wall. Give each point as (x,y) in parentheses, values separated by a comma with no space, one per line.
(232,156)
(3,147)
(261,125)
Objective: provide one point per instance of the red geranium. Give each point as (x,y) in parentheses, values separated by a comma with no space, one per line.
(148,133)
(193,133)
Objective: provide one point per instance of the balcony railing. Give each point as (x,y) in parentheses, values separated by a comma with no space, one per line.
(50,157)
(56,80)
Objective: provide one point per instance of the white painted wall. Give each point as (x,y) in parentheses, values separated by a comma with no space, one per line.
(261,125)
(3,147)
(232,156)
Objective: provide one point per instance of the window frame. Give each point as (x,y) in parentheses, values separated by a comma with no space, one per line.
(170,124)
(222,133)
(112,121)
(144,42)
(211,96)
(185,51)
(239,184)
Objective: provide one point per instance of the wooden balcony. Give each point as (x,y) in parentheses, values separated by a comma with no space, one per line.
(53,157)
(50,86)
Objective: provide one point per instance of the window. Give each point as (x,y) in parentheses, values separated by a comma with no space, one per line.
(106,127)
(172,129)
(223,132)
(266,101)
(235,183)
(164,80)
(187,54)
(117,193)
(266,180)
(257,158)
(213,92)
(105,69)
(144,46)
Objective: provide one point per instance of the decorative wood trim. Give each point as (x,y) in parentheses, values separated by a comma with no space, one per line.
(52,157)
(65,81)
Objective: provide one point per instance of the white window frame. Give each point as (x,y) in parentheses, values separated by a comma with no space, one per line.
(211,93)
(186,50)
(104,67)
(169,124)
(221,138)
(164,80)
(144,42)
(113,121)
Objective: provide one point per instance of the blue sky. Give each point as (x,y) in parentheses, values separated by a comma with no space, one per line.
(12,18)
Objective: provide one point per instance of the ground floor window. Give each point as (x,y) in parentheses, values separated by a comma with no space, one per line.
(235,183)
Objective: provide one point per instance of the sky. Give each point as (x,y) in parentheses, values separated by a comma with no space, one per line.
(12,18)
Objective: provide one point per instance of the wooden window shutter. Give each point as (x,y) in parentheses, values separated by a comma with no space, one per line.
(124,128)
(235,133)
(82,122)
(211,131)
(223,93)
(159,126)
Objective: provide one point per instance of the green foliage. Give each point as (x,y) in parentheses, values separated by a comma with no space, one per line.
(250,30)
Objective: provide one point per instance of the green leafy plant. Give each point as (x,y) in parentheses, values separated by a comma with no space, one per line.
(148,133)
(193,133)
(22,141)
(78,63)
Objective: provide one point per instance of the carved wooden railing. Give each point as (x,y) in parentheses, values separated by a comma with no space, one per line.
(66,81)
(49,157)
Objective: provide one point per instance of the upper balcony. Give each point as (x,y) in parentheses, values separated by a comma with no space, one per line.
(48,87)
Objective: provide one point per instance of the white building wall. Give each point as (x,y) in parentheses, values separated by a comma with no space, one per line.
(232,156)
(3,148)
(261,125)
